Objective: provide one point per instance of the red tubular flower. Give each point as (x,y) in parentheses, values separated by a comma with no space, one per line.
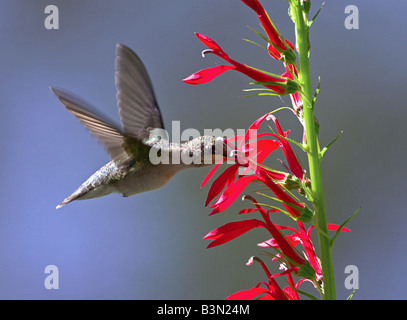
(266,23)
(277,47)
(279,85)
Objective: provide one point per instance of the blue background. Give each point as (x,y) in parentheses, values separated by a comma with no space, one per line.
(150,246)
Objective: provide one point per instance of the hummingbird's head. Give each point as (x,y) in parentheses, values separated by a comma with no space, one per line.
(205,150)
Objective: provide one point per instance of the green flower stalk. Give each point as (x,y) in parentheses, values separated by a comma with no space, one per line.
(255,147)
(299,12)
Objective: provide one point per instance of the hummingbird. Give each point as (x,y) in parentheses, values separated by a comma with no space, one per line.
(141,140)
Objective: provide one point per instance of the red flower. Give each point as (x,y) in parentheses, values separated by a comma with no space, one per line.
(286,248)
(277,47)
(249,155)
(304,238)
(279,85)
(292,160)
(271,292)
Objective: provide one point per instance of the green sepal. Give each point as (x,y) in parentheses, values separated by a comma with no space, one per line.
(306,271)
(291,87)
(292,182)
(289,56)
(306,215)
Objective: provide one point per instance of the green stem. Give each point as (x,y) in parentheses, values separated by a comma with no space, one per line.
(314,160)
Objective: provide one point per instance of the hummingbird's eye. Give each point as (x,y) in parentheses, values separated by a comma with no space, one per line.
(191,154)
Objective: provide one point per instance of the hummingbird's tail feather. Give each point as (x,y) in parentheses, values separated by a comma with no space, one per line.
(63,203)
(74,196)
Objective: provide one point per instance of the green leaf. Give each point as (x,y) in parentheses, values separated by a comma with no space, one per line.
(321,154)
(308,295)
(351,295)
(342,225)
(316,15)
(316,91)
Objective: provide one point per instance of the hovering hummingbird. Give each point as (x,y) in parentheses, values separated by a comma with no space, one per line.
(130,170)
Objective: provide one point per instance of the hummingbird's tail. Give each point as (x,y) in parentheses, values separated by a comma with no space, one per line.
(97,185)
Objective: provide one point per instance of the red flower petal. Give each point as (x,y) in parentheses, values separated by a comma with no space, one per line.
(247,294)
(251,132)
(336,227)
(208,42)
(231,193)
(231,231)
(206,75)
(210,174)
(248,210)
(226,178)
(261,149)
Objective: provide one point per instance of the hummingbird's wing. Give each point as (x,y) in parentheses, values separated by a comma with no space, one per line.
(136,101)
(115,142)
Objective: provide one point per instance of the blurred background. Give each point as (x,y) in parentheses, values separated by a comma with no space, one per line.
(150,246)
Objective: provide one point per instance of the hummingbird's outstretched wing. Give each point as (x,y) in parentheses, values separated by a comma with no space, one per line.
(136,101)
(115,142)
